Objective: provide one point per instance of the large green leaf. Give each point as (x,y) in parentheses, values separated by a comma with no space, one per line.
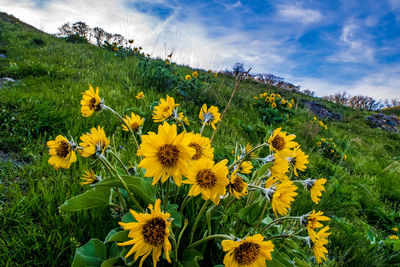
(91,254)
(97,197)
(251,214)
(191,258)
(117,236)
(139,186)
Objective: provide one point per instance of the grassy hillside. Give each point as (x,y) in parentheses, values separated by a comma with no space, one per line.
(363,192)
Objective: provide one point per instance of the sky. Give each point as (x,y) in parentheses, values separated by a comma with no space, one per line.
(324,46)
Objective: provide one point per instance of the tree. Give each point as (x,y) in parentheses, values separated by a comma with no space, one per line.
(238,68)
(99,34)
(65,30)
(80,28)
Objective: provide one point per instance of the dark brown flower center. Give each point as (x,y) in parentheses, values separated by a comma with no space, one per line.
(293,161)
(199,151)
(166,109)
(206,178)
(63,149)
(92,103)
(246,253)
(238,184)
(134,126)
(168,155)
(278,142)
(154,231)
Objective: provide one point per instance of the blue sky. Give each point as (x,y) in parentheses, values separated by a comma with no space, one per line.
(325,46)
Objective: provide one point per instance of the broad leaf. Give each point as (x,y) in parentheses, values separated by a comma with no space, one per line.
(91,254)
(97,197)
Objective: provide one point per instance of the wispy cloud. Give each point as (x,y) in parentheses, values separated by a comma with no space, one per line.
(296,14)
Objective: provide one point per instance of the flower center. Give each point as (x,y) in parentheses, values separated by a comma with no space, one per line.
(134,126)
(208,117)
(293,161)
(63,149)
(199,151)
(166,109)
(154,231)
(278,142)
(238,184)
(92,103)
(246,253)
(168,155)
(206,178)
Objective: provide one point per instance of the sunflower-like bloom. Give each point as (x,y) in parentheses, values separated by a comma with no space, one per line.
(298,160)
(393,237)
(280,167)
(183,118)
(164,110)
(245,167)
(149,234)
(316,189)
(247,150)
(89,178)
(201,144)
(237,186)
(61,153)
(281,143)
(281,198)
(90,102)
(273,105)
(134,122)
(94,143)
(319,243)
(312,223)
(208,178)
(188,77)
(210,116)
(251,251)
(195,74)
(165,154)
(140,95)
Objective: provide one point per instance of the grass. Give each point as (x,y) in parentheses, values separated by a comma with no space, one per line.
(362,195)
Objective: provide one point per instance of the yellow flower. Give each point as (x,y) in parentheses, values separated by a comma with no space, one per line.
(188,77)
(316,190)
(312,223)
(318,144)
(149,234)
(292,101)
(90,102)
(94,143)
(278,96)
(61,153)
(134,122)
(251,251)
(283,101)
(165,154)
(208,178)
(164,109)
(255,97)
(209,116)
(290,105)
(272,95)
(319,243)
(201,144)
(323,140)
(280,167)
(274,105)
(248,148)
(263,95)
(298,160)
(215,74)
(281,143)
(245,167)
(271,181)
(195,74)
(89,177)
(315,118)
(167,62)
(140,95)
(395,229)
(282,197)
(237,186)
(393,237)
(267,99)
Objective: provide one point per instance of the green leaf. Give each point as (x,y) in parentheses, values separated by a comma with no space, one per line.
(93,253)
(117,236)
(97,197)
(139,186)
(262,170)
(251,214)
(191,258)
(128,218)
(112,261)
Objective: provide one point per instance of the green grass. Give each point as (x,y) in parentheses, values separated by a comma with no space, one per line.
(362,195)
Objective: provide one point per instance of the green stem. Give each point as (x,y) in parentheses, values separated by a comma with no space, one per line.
(202,127)
(201,241)
(132,197)
(261,216)
(121,199)
(172,237)
(276,221)
(166,195)
(184,203)
(246,156)
(120,161)
(203,208)
(185,224)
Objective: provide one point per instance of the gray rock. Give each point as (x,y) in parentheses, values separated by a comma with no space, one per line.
(386,122)
(322,111)
(3,56)
(5,81)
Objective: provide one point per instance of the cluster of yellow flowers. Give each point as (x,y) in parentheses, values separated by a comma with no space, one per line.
(275,100)
(188,158)
(320,123)
(394,236)
(330,149)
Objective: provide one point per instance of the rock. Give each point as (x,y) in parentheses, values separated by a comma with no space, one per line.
(386,122)
(322,111)
(2,56)
(5,81)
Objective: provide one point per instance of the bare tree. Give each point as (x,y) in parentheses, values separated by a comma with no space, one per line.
(99,34)
(238,68)
(80,28)
(65,30)
(118,39)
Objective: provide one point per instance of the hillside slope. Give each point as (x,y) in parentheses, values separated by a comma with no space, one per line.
(363,192)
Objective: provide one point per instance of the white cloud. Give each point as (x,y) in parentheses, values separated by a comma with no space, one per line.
(297,14)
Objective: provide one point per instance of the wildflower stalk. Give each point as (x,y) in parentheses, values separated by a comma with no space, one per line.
(166,195)
(185,224)
(240,161)
(122,120)
(120,198)
(229,102)
(132,197)
(202,127)
(197,220)
(172,238)
(184,203)
(261,216)
(201,241)
(120,162)
(278,220)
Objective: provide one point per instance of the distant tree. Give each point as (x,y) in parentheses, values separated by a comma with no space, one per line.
(80,28)
(118,39)
(238,68)
(309,92)
(65,30)
(99,35)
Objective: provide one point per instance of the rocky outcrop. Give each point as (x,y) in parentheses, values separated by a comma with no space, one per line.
(386,122)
